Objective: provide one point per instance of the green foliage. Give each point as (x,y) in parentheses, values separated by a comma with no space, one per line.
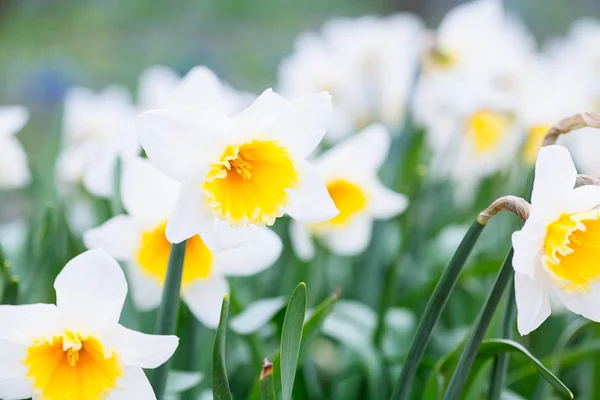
(220,382)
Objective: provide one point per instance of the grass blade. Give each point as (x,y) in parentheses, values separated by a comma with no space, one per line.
(291,338)
(434,310)
(267,389)
(220,383)
(167,313)
(469,353)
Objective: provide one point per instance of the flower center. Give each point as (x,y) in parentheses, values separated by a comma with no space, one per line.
(250,183)
(535,138)
(348,198)
(486,129)
(572,247)
(153,256)
(72,366)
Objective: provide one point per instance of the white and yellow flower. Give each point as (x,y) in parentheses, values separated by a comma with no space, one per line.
(98,128)
(14,170)
(138,239)
(366,63)
(76,349)
(557,251)
(248,169)
(357,193)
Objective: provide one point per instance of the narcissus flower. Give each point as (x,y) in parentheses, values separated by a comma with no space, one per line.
(14,171)
(357,193)
(557,250)
(138,239)
(248,169)
(97,129)
(76,349)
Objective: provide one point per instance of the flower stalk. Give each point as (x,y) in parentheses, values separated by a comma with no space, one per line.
(571,123)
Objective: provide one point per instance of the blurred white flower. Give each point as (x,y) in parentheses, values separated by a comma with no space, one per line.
(76,349)
(248,169)
(14,170)
(138,239)
(350,173)
(366,63)
(155,85)
(98,128)
(556,251)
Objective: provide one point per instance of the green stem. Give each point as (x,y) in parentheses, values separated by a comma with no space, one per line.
(481,325)
(192,362)
(167,313)
(434,310)
(500,366)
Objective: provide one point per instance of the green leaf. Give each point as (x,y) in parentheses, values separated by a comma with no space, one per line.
(220,383)
(434,309)
(267,390)
(167,313)
(291,338)
(11,291)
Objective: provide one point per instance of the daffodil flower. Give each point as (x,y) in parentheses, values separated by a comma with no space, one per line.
(76,349)
(248,169)
(97,129)
(138,239)
(357,193)
(14,171)
(558,249)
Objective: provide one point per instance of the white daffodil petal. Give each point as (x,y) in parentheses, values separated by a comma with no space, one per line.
(21,324)
(555,176)
(353,239)
(99,178)
(256,315)
(304,122)
(14,383)
(91,288)
(142,350)
(259,116)
(156,83)
(585,305)
(385,203)
(145,291)
(199,89)
(12,119)
(584,198)
(117,236)
(533,303)
(145,190)
(260,252)
(133,386)
(301,241)
(528,247)
(14,169)
(174,139)
(204,299)
(311,201)
(188,217)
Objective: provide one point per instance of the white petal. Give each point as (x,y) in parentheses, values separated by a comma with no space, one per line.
(533,303)
(528,243)
(301,241)
(118,237)
(353,239)
(146,191)
(155,85)
(99,178)
(12,119)
(584,198)
(189,217)
(14,169)
(310,202)
(199,89)
(361,154)
(259,117)
(585,305)
(385,203)
(13,381)
(555,176)
(260,251)
(256,315)
(145,291)
(303,123)
(21,324)
(175,140)
(91,288)
(142,350)
(133,386)
(204,298)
